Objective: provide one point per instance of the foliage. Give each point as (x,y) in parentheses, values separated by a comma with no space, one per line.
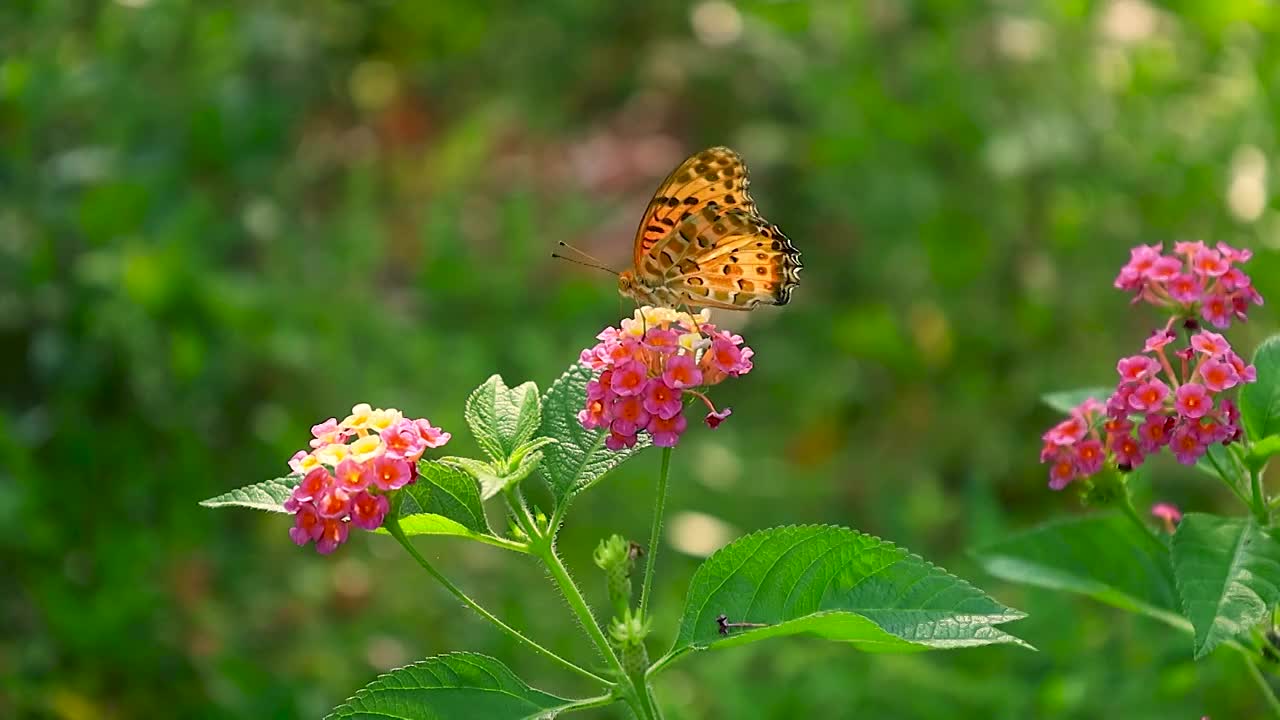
(220,220)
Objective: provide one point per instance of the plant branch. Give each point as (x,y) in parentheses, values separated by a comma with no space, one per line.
(655,536)
(1260,509)
(393,526)
(545,549)
(587,703)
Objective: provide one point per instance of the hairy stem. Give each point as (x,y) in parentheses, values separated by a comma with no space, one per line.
(393,526)
(634,696)
(655,536)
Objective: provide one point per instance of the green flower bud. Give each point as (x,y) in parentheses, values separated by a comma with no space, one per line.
(615,558)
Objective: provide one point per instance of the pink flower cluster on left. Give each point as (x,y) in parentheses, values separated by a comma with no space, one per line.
(350,469)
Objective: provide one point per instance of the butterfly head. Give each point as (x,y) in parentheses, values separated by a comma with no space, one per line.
(631,286)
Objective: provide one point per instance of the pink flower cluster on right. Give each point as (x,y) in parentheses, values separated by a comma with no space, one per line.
(1166,396)
(648,365)
(1195,279)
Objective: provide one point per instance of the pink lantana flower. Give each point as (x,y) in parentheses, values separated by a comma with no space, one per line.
(1193,282)
(629,378)
(403,441)
(356,463)
(1136,367)
(1218,375)
(306,524)
(681,372)
(666,431)
(1193,401)
(390,473)
(715,417)
(1168,514)
(662,400)
(649,366)
(332,534)
(1173,397)
(368,510)
(432,436)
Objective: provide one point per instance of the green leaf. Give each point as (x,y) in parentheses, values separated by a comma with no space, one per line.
(839,584)
(457,685)
(1103,556)
(1228,573)
(1064,401)
(493,480)
(1218,456)
(269,495)
(445,491)
(1261,451)
(1260,401)
(484,473)
(503,418)
(579,458)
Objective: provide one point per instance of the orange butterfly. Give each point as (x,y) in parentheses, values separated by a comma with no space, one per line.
(702,243)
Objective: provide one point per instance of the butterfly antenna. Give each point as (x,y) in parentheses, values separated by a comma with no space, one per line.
(576,261)
(586,258)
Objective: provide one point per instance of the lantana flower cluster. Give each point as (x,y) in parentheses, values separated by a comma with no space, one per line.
(1166,396)
(352,466)
(1195,281)
(649,365)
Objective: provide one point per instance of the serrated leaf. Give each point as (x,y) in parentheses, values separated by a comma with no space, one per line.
(1102,556)
(446,491)
(839,584)
(528,447)
(1064,401)
(269,495)
(484,473)
(502,418)
(1260,401)
(457,685)
(1228,574)
(492,480)
(579,458)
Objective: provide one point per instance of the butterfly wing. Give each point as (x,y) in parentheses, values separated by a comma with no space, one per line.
(715,177)
(733,260)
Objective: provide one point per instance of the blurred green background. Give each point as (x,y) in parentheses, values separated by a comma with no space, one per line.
(221,222)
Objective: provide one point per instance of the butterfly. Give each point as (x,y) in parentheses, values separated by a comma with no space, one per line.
(702,243)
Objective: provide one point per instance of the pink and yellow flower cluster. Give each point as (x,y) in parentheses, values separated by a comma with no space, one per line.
(350,469)
(1195,280)
(648,366)
(1167,396)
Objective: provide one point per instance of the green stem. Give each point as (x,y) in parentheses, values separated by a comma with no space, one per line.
(645,695)
(1260,509)
(587,703)
(655,536)
(1268,693)
(545,550)
(392,525)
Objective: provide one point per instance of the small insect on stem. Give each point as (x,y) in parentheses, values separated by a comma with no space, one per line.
(725,626)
